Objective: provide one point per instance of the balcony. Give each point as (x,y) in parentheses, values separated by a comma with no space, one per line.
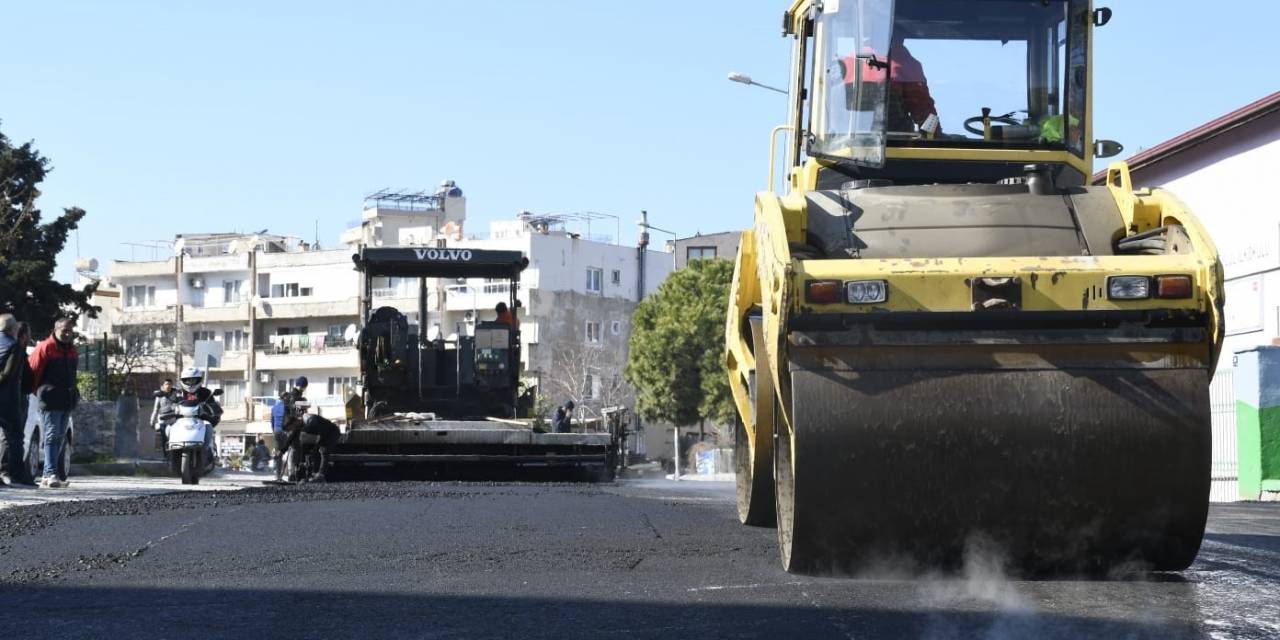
(124,269)
(148,315)
(220,313)
(287,353)
(482,297)
(233,361)
(215,264)
(292,308)
(403,298)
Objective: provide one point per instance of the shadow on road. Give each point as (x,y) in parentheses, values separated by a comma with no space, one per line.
(133,612)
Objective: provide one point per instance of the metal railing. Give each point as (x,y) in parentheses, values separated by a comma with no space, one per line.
(313,344)
(1225,462)
(486,288)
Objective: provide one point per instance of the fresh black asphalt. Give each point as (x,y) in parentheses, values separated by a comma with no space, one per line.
(636,558)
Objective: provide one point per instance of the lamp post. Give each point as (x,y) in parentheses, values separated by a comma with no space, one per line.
(743,78)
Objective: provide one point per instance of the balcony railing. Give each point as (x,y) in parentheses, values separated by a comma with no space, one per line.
(293,344)
(396,293)
(483,289)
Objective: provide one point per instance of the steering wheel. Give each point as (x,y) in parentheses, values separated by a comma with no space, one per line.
(1006,119)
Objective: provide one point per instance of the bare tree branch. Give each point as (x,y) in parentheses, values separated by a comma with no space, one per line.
(588,375)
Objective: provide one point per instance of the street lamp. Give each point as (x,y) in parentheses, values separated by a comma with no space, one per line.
(743,78)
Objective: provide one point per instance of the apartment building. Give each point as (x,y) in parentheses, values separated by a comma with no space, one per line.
(700,247)
(257,310)
(578,296)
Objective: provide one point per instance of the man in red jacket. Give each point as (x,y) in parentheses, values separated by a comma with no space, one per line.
(910,102)
(53,370)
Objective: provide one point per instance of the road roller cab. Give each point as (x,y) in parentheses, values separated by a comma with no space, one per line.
(939,331)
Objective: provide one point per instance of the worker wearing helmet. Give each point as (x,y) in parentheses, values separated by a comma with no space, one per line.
(562,422)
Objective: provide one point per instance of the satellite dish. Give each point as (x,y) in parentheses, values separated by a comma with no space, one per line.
(350,333)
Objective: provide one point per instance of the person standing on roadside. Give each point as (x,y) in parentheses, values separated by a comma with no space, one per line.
(11,388)
(164,403)
(562,421)
(53,375)
(162,410)
(14,434)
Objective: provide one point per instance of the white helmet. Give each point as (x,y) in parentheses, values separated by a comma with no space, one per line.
(191,379)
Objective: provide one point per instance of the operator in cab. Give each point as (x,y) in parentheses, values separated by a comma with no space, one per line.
(506,316)
(910,103)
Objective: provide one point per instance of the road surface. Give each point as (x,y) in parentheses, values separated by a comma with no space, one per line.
(635,559)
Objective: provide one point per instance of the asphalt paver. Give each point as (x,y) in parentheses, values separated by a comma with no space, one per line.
(636,558)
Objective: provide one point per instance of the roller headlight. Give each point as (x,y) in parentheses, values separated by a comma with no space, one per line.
(1128,287)
(866,291)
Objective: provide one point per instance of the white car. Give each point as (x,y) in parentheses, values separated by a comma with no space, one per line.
(34,452)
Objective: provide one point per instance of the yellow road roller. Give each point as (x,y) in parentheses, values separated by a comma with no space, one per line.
(940,333)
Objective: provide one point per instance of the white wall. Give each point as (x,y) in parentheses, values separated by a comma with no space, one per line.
(330,274)
(562,262)
(166,293)
(1224,182)
(214,293)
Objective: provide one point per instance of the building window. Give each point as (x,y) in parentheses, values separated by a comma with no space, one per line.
(232,393)
(496,285)
(615,327)
(237,340)
(231,291)
(197,336)
(289,290)
(285,384)
(341,385)
(595,278)
(139,296)
(593,332)
(617,276)
(305,291)
(700,253)
(590,384)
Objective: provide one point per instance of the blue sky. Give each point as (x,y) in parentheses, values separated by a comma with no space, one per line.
(181,116)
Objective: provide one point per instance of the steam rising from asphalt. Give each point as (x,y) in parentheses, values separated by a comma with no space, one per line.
(983,580)
(981,587)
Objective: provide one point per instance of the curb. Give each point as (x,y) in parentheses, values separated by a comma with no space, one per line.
(140,467)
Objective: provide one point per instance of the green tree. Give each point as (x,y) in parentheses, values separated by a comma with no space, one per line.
(676,361)
(28,248)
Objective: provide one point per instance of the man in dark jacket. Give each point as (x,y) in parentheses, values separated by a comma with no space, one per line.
(11,355)
(14,438)
(53,375)
(313,434)
(562,421)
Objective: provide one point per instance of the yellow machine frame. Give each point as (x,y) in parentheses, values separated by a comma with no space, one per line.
(769,280)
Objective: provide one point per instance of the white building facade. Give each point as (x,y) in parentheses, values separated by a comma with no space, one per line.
(1220,170)
(259,311)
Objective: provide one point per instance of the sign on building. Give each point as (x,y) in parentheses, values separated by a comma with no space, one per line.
(1244,308)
